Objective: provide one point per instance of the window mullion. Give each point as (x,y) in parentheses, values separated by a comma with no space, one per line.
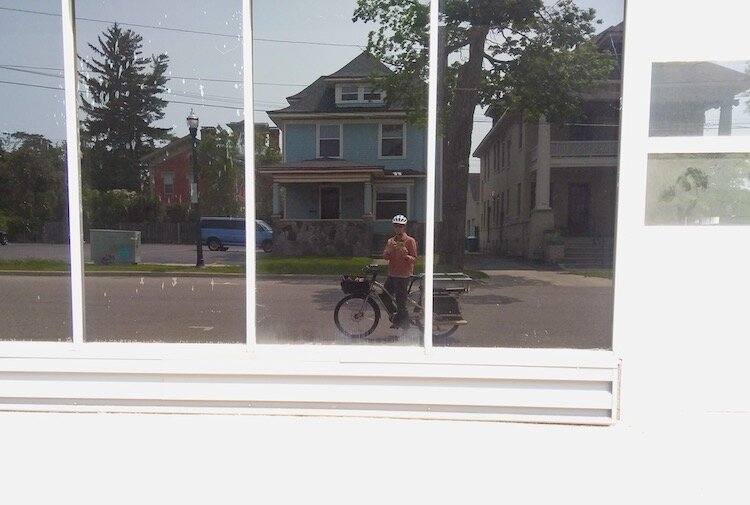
(250,266)
(73,153)
(430,179)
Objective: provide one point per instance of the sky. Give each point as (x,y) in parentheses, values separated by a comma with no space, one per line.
(295,42)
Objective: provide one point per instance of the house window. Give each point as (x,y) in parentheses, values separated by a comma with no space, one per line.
(329,141)
(370,94)
(392,140)
(168,180)
(391,200)
(330,202)
(349,93)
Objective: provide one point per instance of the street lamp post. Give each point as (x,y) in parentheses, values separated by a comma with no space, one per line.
(192,123)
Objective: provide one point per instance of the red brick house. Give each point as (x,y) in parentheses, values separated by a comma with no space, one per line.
(170,167)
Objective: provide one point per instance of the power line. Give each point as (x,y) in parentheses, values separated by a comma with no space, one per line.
(185,30)
(31,85)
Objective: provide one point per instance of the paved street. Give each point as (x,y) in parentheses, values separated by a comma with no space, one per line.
(515,307)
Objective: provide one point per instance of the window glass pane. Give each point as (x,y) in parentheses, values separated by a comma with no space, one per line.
(392,143)
(159,64)
(33,174)
(372,94)
(698,189)
(330,149)
(349,93)
(390,202)
(321,198)
(541,272)
(330,131)
(700,98)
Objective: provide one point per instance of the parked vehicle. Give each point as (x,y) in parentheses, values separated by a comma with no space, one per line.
(3,238)
(220,232)
(358,314)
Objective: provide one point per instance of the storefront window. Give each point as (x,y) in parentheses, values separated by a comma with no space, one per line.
(700,98)
(698,189)
(541,273)
(34,253)
(329,190)
(147,70)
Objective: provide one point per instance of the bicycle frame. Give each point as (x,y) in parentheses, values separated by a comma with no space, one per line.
(444,324)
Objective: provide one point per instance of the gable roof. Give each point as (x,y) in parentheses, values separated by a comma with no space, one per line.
(320,96)
(363,66)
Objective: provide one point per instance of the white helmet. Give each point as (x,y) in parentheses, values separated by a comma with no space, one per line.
(399,219)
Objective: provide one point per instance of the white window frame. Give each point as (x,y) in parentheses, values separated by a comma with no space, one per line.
(362,90)
(319,139)
(381,138)
(570,386)
(164,176)
(371,90)
(406,187)
(341,93)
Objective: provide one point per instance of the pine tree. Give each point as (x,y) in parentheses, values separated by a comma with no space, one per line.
(121,103)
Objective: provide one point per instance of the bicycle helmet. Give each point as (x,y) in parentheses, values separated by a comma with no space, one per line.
(399,219)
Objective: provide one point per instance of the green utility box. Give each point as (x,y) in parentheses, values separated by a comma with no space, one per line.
(115,247)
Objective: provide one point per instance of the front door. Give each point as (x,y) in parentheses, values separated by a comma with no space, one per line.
(579,200)
(330,203)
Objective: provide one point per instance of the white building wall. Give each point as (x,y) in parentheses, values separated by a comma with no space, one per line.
(680,328)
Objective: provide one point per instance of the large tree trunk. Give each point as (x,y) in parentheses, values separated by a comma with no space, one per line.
(456,152)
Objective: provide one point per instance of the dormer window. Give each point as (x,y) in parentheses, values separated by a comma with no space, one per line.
(358,94)
(372,95)
(349,93)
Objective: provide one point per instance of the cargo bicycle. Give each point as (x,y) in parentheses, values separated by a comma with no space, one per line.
(358,313)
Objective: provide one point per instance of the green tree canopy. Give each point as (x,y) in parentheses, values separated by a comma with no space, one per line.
(121,103)
(501,53)
(221,174)
(32,178)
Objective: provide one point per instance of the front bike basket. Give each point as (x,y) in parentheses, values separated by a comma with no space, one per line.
(354,285)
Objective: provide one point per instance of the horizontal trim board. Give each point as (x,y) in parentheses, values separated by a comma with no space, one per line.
(410,389)
(417,411)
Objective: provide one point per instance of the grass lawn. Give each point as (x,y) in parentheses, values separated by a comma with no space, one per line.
(272,265)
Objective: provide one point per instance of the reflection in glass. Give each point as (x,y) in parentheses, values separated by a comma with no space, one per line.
(543,193)
(148,73)
(698,189)
(699,98)
(351,158)
(33,191)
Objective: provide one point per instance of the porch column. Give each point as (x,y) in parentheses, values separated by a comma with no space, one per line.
(276,199)
(368,199)
(543,165)
(725,119)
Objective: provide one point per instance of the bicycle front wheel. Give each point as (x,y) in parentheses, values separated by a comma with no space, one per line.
(356,315)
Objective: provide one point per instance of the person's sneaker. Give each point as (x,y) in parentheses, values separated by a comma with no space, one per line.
(394,325)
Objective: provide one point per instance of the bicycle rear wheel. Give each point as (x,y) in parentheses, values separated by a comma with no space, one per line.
(440,329)
(356,315)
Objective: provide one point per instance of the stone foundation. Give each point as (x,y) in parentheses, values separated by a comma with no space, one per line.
(343,237)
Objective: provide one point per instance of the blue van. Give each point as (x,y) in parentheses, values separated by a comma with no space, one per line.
(219,232)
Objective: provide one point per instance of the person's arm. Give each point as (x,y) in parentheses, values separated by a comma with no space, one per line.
(411,251)
(387,250)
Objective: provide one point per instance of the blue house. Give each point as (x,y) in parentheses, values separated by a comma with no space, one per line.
(350,162)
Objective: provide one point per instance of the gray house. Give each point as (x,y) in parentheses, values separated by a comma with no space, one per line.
(350,162)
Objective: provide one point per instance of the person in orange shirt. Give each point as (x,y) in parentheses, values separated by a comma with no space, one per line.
(401,253)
